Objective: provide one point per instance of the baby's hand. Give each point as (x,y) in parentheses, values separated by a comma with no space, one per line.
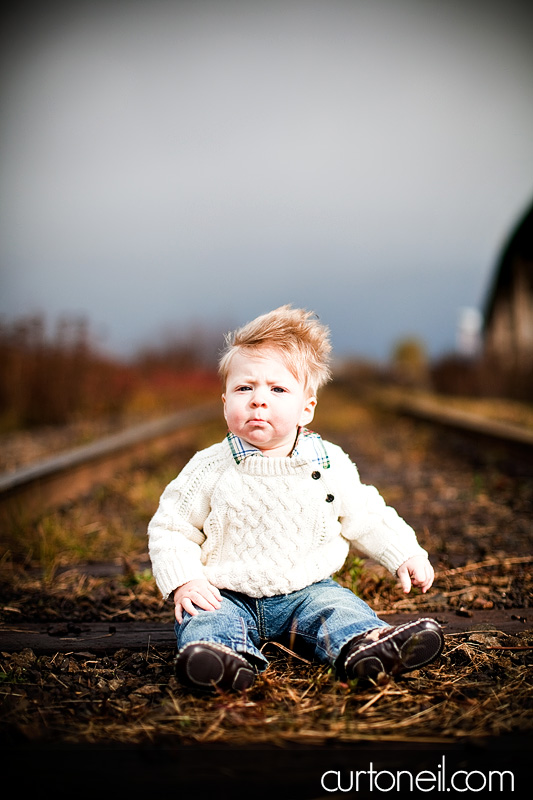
(416,571)
(198,592)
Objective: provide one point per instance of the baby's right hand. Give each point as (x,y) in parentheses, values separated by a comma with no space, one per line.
(198,592)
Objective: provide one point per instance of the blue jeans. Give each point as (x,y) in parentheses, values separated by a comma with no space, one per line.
(317,622)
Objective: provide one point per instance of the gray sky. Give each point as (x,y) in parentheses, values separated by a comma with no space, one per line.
(169,164)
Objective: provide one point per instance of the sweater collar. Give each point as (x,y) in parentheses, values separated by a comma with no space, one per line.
(309,446)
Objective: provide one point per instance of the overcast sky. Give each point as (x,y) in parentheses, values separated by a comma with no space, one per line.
(176,164)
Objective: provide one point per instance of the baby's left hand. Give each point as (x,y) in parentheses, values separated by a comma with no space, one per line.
(416,571)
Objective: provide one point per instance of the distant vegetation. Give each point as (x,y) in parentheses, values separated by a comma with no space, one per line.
(53,377)
(458,375)
(455,375)
(49,378)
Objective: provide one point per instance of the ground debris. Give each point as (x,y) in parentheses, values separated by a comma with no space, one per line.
(475,690)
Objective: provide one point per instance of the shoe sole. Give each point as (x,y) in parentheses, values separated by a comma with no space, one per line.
(419,649)
(205,669)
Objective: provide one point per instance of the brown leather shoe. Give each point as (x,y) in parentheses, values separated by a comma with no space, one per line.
(394,650)
(207,665)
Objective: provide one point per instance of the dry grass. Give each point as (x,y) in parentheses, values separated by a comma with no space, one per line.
(478,690)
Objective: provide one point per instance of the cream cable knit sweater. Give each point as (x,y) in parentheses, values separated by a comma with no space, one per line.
(269,526)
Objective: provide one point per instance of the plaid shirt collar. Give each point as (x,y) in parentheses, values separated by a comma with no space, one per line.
(309,445)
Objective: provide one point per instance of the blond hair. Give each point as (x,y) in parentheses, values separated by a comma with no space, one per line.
(302,341)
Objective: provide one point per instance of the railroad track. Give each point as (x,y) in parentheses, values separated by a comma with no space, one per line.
(508,445)
(49,483)
(64,477)
(463,421)
(29,491)
(55,697)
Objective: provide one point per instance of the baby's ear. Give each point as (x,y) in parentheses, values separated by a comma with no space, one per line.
(308,411)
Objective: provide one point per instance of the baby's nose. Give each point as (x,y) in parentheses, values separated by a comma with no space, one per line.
(258,399)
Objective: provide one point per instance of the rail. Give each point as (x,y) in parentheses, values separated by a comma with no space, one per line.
(461,420)
(510,445)
(64,477)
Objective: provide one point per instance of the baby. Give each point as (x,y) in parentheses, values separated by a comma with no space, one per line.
(248,535)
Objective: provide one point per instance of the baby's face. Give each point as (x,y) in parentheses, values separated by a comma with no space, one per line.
(264,403)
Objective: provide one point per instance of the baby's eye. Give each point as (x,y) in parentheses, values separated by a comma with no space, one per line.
(278,389)
(244,388)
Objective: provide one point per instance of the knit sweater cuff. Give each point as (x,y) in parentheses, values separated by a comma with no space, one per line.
(171,575)
(393,557)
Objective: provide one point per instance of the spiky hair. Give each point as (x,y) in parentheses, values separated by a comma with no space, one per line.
(302,342)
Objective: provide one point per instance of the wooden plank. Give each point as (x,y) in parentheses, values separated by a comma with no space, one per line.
(105,637)
(94,637)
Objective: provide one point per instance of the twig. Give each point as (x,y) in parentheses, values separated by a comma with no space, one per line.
(59,681)
(481,630)
(373,700)
(16,630)
(286,650)
(490,562)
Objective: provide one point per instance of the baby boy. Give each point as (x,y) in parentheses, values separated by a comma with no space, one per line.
(248,535)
